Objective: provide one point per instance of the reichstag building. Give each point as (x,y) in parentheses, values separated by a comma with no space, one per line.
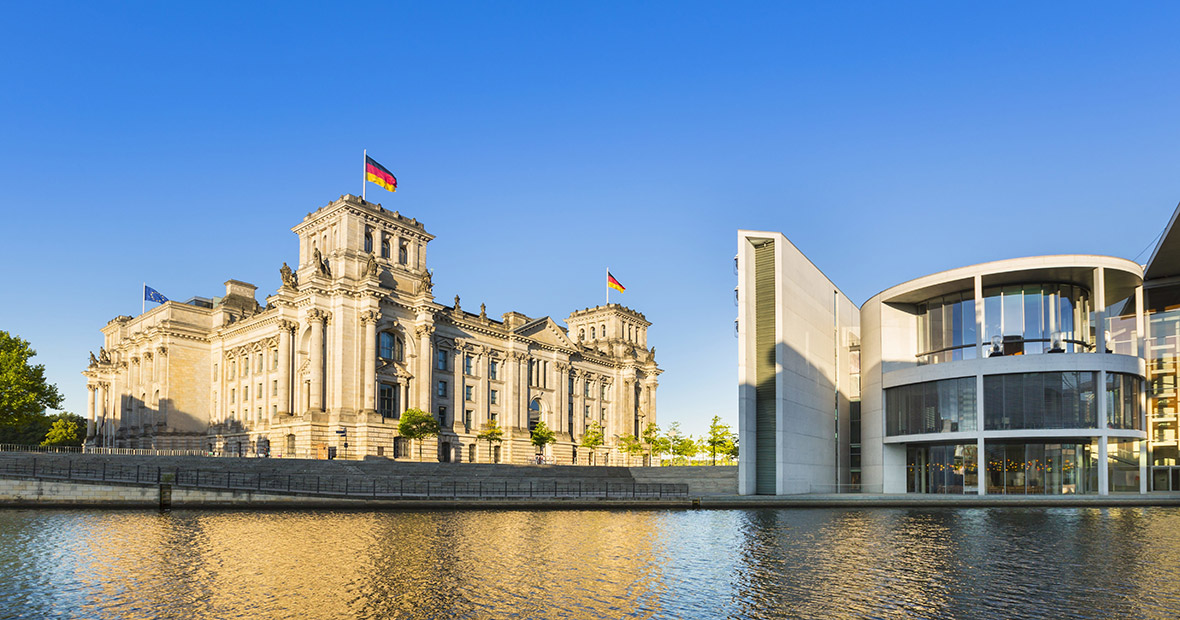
(352,339)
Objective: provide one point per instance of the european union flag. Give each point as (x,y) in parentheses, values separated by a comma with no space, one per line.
(151,294)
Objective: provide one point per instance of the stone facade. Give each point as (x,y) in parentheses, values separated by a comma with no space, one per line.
(353,338)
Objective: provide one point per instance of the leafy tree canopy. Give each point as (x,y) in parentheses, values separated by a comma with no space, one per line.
(593,437)
(719,440)
(492,434)
(542,435)
(64,432)
(24,391)
(417,425)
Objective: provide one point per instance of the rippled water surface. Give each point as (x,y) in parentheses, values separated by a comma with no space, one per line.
(848,563)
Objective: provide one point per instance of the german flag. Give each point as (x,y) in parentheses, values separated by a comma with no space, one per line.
(377,173)
(613,283)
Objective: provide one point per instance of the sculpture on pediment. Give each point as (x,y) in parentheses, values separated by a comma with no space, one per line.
(483,312)
(290,278)
(371,266)
(457,309)
(93,360)
(103,356)
(428,282)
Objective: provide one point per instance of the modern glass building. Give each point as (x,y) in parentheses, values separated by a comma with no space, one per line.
(1041,375)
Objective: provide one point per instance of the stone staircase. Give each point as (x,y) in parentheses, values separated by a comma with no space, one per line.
(375,473)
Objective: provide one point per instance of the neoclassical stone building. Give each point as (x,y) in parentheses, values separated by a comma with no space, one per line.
(353,338)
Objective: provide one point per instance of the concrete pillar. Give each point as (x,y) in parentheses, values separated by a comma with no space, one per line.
(316,355)
(369,376)
(980,463)
(1100,311)
(284,378)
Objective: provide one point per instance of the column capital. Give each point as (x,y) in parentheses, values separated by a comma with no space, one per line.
(286,325)
(315,314)
(370,317)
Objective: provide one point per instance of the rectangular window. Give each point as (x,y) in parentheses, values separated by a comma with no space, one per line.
(468,393)
(492,397)
(493,368)
(245,393)
(259,392)
(385,400)
(274,388)
(492,416)
(467,417)
(587,411)
(441,360)
(274,359)
(215,370)
(586,388)
(233,393)
(603,391)
(442,415)
(260,358)
(274,409)
(442,388)
(245,367)
(467,362)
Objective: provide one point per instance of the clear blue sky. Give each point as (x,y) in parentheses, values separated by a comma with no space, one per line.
(177,143)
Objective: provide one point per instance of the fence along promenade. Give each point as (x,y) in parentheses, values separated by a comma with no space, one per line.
(60,467)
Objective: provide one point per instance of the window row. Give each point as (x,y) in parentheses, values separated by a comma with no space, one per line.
(257,361)
(1024,401)
(1019,319)
(377,238)
(233,392)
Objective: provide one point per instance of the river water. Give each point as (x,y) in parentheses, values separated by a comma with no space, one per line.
(811,563)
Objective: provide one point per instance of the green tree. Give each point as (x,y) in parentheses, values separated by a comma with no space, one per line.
(630,445)
(491,434)
(685,447)
(719,440)
(593,438)
(64,432)
(24,392)
(542,436)
(681,446)
(417,425)
(657,444)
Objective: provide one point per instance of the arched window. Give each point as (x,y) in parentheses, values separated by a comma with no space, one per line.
(385,248)
(369,241)
(604,330)
(390,346)
(403,252)
(582,334)
(534,413)
(592,336)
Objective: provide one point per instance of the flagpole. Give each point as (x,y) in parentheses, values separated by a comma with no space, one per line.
(143,300)
(608,286)
(364,173)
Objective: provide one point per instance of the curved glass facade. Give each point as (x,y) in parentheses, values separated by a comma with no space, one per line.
(1122,401)
(1019,319)
(1040,400)
(946,328)
(1041,468)
(944,406)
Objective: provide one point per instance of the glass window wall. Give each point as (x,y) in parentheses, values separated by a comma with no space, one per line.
(942,469)
(1036,318)
(944,406)
(1040,400)
(1041,468)
(1122,401)
(946,329)
(1020,319)
(1122,457)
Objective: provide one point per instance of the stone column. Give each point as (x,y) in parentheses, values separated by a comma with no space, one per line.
(369,320)
(425,377)
(101,427)
(90,412)
(652,384)
(284,397)
(460,407)
(316,355)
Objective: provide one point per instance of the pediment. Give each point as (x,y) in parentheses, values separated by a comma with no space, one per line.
(545,331)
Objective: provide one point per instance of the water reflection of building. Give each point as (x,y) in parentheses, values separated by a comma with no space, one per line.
(352,338)
(1020,376)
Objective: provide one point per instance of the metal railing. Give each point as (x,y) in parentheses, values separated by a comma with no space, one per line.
(15,447)
(373,487)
